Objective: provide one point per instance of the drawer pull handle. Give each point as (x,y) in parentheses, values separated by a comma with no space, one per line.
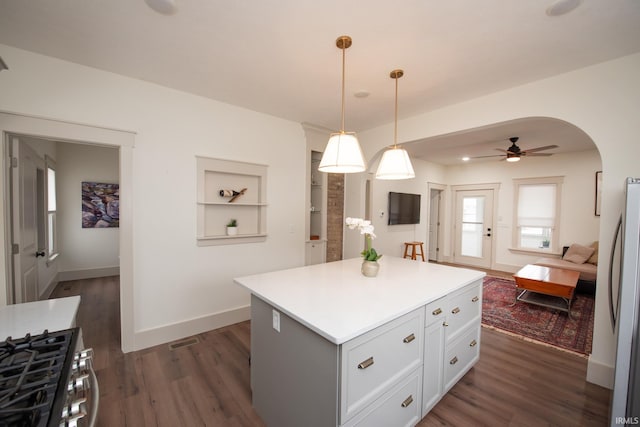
(474,299)
(408,401)
(454,360)
(445,324)
(456,310)
(436,311)
(366,363)
(473,343)
(408,339)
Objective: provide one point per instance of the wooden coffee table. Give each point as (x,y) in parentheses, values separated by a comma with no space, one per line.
(546,286)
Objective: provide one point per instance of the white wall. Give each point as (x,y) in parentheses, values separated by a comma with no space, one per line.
(84,250)
(604,101)
(178,288)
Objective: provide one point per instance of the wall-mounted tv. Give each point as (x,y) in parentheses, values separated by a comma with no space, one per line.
(404,208)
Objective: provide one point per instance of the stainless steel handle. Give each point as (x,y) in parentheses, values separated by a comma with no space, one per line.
(473,343)
(474,299)
(612,310)
(365,364)
(445,324)
(456,310)
(436,311)
(408,339)
(407,401)
(454,360)
(95,398)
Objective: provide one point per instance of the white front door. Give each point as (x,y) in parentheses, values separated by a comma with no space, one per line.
(473,228)
(25,221)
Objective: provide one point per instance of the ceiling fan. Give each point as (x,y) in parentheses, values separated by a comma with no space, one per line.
(513,153)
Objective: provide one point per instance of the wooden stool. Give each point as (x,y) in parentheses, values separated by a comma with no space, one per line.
(414,246)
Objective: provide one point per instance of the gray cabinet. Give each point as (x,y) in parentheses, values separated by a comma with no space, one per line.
(391,375)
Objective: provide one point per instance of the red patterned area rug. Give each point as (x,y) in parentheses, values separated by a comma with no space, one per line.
(536,323)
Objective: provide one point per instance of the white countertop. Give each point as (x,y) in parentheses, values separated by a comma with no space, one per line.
(17,320)
(336,301)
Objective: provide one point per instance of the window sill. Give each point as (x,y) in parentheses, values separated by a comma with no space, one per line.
(52,258)
(531,251)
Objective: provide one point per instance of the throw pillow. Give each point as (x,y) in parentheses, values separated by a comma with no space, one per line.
(594,258)
(578,254)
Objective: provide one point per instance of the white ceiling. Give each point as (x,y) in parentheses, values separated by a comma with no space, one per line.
(280,57)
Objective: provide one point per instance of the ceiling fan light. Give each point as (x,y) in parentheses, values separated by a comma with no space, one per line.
(513,158)
(342,154)
(395,164)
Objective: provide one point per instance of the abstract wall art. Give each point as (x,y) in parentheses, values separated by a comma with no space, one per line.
(100,205)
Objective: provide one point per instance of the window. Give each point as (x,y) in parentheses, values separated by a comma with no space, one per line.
(537,212)
(52,235)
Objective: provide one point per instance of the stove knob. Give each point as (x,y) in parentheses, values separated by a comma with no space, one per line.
(72,421)
(86,353)
(76,407)
(81,364)
(79,383)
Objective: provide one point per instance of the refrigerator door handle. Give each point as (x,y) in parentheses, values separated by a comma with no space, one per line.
(612,310)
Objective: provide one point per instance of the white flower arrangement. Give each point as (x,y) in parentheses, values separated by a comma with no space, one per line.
(365,228)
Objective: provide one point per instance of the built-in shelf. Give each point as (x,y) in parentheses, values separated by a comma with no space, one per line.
(215,209)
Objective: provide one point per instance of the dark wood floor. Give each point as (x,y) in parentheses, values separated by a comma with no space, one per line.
(515,383)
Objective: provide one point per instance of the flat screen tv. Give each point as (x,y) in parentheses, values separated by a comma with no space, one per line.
(404,208)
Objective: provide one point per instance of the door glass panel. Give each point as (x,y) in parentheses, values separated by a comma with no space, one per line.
(472,225)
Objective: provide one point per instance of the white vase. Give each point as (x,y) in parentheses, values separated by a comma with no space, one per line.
(370,268)
(232,231)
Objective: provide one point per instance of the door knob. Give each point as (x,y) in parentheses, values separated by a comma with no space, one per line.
(40,253)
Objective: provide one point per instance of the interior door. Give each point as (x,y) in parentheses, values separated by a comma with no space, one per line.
(434,224)
(474,227)
(25,220)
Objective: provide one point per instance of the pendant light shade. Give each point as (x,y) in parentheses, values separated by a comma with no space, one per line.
(343,153)
(395,162)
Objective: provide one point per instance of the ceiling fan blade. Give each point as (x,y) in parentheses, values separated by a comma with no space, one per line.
(536,154)
(482,157)
(500,149)
(546,147)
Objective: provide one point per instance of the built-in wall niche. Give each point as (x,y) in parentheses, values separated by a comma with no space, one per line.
(230,190)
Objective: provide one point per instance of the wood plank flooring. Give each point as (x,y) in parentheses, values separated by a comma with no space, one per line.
(515,383)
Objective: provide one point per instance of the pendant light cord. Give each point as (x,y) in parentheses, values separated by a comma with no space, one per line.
(395,129)
(342,119)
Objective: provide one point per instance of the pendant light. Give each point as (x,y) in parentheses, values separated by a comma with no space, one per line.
(343,153)
(395,162)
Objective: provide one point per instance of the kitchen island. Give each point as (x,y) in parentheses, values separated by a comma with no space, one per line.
(332,347)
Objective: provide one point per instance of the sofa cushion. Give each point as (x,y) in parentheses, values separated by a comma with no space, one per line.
(593,259)
(578,254)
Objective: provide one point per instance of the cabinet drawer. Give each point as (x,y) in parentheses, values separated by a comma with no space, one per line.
(374,361)
(464,307)
(460,356)
(435,311)
(399,407)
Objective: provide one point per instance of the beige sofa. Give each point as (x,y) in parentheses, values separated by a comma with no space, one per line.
(577,258)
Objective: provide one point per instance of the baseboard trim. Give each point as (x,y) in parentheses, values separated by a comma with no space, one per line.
(506,267)
(600,374)
(89,273)
(164,334)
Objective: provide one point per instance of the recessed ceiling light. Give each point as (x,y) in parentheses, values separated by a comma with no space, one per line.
(165,7)
(562,7)
(466,159)
(361,94)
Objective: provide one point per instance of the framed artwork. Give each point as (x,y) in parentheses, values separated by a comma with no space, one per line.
(598,192)
(100,205)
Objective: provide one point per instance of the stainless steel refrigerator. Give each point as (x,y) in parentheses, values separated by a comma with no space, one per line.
(624,298)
